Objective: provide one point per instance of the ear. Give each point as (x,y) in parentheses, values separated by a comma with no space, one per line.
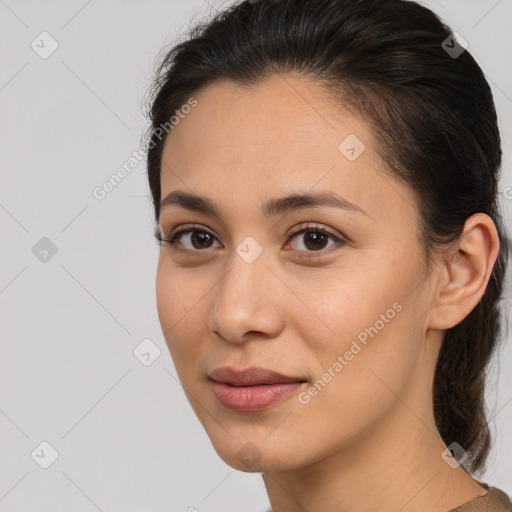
(465,272)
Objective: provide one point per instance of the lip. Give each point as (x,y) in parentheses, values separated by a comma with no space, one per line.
(251,389)
(251,376)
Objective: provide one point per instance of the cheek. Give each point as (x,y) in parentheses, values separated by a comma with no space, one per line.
(179,304)
(358,384)
(343,306)
(363,337)
(178,293)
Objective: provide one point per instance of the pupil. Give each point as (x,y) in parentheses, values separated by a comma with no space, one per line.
(314,235)
(202,236)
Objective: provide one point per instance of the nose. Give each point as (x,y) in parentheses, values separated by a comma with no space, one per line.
(250,302)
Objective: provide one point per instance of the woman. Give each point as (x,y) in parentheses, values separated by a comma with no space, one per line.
(324,176)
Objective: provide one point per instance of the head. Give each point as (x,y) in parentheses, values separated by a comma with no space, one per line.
(390,294)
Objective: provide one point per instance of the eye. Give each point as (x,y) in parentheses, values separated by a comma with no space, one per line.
(197,239)
(314,237)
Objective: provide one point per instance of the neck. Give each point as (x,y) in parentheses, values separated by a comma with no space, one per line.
(394,467)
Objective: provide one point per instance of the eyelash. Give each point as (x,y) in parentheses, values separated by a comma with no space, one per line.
(304,228)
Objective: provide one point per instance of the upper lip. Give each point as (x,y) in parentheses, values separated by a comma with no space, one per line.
(251,376)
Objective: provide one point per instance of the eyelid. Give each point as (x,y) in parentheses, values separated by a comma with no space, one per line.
(187,227)
(312,226)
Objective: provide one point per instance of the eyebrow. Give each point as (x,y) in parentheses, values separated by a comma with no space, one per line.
(272,207)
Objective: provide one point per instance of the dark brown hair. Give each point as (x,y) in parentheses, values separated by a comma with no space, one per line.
(396,64)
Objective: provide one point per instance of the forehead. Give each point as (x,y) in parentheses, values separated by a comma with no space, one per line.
(280,115)
(243,142)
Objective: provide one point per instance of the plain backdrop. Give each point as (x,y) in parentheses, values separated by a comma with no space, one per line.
(77,274)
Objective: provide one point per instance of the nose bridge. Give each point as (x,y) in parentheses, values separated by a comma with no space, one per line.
(246,299)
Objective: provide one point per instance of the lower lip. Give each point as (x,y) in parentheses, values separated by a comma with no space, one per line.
(252,398)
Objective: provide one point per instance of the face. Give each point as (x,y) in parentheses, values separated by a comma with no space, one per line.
(330,295)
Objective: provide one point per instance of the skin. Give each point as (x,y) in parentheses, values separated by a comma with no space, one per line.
(367,440)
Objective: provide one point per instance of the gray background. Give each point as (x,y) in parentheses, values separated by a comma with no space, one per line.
(126,437)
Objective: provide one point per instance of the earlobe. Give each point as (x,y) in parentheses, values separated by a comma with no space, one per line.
(467,273)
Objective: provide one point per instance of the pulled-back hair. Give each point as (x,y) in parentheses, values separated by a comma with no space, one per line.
(431,111)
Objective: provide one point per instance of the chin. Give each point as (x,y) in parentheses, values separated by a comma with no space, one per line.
(256,455)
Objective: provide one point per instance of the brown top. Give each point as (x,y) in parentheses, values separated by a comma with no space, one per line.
(494,500)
